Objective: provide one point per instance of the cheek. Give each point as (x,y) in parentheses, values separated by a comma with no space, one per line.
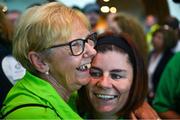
(122,100)
(123,86)
(68,66)
(92,82)
(71,63)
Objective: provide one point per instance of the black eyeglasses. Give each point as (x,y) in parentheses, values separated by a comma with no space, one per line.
(77,45)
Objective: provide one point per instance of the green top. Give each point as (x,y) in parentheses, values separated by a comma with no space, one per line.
(168,92)
(33,90)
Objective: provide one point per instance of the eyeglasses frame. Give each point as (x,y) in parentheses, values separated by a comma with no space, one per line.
(69,43)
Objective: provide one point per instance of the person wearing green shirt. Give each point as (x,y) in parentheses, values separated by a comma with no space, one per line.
(167,98)
(54,44)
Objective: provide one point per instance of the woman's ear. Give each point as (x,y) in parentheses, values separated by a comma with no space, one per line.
(38,62)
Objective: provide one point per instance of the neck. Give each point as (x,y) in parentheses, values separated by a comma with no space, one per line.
(62,91)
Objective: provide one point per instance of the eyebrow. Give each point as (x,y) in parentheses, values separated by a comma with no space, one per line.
(118,70)
(114,70)
(96,68)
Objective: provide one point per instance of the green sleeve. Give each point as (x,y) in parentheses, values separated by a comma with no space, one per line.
(33,113)
(167,88)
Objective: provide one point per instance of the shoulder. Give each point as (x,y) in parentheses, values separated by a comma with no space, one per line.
(32,112)
(175,60)
(177,56)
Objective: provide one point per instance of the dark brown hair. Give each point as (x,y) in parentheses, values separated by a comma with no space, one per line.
(169,37)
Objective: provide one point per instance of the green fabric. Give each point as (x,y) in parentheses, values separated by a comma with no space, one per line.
(32,89)
(149,35)
(168,92)
(72,101)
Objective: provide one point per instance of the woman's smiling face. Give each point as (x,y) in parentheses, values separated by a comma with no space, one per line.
(72,71)
(111,79)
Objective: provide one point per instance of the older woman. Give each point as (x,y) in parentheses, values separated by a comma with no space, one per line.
(55,45)
(118,84)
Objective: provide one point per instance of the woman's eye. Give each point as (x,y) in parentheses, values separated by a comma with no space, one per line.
(95,73)
(76,44)
(116,76)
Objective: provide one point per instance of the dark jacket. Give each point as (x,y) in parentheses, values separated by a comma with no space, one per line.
(166,56)
(5,84)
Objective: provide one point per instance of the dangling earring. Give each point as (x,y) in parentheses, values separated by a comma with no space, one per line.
(47,72)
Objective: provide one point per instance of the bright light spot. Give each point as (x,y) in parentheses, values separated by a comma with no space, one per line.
(113,10)
(106,0)
(79,3)
(105,9)
(4,9)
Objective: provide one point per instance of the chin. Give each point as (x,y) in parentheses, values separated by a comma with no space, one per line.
(107,110)
(75,87)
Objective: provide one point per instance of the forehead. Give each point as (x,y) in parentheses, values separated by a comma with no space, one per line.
(79,30)
(111,60)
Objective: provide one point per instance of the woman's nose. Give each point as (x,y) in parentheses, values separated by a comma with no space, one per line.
(89,51)
(104,82)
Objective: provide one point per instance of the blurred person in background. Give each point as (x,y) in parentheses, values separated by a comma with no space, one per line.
(163,41)
(121,22)
(151,25)
(166,101)
(173,23)
(98,23)
(55,46)
(13,16)
(10,69)
(110,19)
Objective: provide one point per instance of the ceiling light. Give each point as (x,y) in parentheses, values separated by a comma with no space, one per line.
(105,9)
(113,10)
(106,0)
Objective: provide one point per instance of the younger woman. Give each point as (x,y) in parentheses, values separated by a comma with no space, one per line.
(118,82)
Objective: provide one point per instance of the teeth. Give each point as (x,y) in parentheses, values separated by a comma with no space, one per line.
(101,96)
(88,65)
(84,67)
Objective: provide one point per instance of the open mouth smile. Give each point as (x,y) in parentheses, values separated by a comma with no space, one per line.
(84,67)
(105,97)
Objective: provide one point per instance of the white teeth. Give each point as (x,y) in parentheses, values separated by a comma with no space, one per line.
(84,67)
(88,65)
(101,96)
